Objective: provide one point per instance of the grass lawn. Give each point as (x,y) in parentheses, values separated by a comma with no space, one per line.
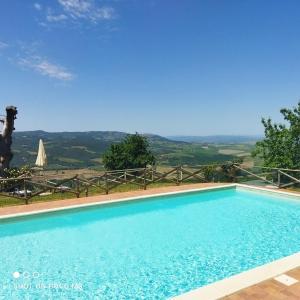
(10,201)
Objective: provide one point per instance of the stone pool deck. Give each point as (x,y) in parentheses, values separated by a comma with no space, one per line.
(269,289)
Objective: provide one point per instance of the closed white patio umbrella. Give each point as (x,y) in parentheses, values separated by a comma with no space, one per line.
(41,160)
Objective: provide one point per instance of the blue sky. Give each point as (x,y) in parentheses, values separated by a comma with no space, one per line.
(169,67)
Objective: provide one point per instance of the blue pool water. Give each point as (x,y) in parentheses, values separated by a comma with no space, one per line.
(148,249)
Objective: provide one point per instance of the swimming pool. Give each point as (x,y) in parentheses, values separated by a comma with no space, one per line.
(154,248)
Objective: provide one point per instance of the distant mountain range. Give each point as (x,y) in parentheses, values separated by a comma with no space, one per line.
(217,139)
(85,149)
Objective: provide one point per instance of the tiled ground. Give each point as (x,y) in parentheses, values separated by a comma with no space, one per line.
(271,290)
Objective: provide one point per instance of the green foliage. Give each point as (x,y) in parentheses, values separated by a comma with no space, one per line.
(132,153)
(229,172)
(209,172)
(17,172)
(281,146)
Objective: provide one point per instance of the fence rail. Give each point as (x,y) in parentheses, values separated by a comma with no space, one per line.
(25,188)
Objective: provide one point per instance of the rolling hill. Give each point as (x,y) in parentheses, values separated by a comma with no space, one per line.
(218,139)
(84,149)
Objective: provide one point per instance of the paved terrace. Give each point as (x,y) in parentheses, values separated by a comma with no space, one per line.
(270,289)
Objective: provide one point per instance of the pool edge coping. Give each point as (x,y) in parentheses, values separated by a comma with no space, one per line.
(237,282)
(268,190)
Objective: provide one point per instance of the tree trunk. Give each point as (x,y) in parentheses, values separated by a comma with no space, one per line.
(6,138)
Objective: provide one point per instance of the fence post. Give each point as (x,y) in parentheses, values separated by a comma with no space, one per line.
(279,178)
(178,175)
(77,188)
(25,192)
(152,173)
(145,179)
(106,184)
(87,191)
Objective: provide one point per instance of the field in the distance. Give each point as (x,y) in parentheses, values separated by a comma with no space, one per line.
(70,150)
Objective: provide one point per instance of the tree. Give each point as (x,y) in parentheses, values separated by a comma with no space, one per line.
(132,153)
(228,170)
(6,138)
(18,172)
(281,146)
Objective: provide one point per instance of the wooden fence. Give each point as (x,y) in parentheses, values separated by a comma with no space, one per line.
(277,177)
(27,187)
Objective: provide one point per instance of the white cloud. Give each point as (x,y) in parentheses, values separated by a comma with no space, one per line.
(56,18)
(3,45)
(46,68)
(75,12)
(37,6)
(76,7)
(87,9)
(105,13)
